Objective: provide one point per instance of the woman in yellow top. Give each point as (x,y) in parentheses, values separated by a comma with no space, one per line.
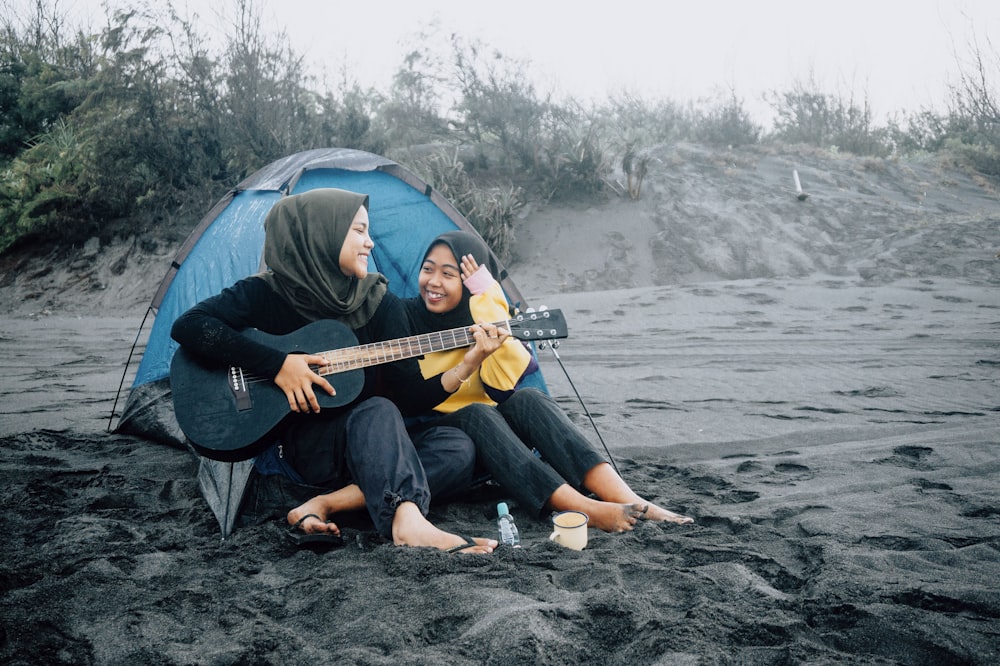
(509,423)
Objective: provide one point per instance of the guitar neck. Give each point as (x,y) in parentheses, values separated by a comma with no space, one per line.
(377,353)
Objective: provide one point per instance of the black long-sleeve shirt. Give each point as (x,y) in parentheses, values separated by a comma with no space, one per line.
(211,329)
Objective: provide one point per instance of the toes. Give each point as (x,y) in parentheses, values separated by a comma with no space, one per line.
(309,526)
(313,524)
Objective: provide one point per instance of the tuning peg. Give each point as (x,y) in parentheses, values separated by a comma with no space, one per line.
(543,308)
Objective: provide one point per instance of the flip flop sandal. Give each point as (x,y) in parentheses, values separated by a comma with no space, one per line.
(469,543)
(300,538)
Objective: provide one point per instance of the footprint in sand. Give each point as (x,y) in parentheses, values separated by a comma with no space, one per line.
(792,472)
(782,472)
(788,471)
(758,298)
(739,496)
(791,468)
(749,466)
(913,457)
(951,299)
(981,512)
(926,484)
(718,489)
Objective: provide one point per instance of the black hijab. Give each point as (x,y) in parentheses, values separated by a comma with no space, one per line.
(460,243)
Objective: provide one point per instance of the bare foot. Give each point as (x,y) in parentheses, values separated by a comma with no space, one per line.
(619,515)
(612,517)
(604,482)
(661,515)
(411,528)
(313,516)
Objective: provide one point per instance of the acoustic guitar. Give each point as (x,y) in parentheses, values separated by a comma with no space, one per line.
(228,414)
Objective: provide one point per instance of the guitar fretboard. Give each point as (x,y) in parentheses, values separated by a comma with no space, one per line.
(376,353)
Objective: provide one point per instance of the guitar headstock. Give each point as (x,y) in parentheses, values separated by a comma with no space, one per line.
(539,325)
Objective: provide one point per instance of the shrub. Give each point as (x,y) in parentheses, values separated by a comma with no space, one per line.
(923,131)
(635,166)
(489,208)
(727,124)
(412,113)
(496,105)
(577,161)
(348,122)
(633,119)
(45,188)
(805,115)
(974,118)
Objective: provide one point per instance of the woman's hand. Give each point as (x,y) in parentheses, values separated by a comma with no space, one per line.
(477,279)
(296,379)
(469,266)
(488,339)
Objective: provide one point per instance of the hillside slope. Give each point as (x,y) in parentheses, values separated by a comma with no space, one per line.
(703,214)
(707,214)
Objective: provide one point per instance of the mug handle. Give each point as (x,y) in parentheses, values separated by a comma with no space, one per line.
(554,537)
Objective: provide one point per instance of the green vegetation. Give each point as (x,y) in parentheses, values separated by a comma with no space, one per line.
(124,131)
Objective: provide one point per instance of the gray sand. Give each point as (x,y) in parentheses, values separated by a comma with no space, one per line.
(830,425)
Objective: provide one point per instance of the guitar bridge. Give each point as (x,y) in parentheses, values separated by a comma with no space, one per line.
(238,385)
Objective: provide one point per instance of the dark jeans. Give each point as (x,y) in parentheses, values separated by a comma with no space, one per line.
(371,447)
(505,435)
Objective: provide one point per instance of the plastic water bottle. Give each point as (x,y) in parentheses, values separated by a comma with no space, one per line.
(506,526)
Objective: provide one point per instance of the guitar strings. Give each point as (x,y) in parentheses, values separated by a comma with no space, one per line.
(377,353)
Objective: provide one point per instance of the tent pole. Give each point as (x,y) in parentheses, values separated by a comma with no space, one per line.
(552,345)
(128,362)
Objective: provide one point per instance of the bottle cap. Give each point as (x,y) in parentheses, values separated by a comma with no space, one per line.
(502,509)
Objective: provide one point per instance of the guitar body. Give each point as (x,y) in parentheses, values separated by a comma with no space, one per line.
(228,416)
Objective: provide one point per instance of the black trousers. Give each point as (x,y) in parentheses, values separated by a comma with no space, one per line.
(507,436)
(371,447)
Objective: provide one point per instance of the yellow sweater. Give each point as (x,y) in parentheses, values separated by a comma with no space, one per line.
(498,374)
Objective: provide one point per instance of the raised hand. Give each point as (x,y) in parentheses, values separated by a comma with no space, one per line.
(469,266)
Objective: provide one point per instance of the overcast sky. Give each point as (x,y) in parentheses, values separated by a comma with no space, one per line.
(901,54)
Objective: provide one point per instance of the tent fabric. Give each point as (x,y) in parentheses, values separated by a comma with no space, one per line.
(227,245)
(222,485)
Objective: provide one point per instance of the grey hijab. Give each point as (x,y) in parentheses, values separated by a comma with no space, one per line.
(304,234)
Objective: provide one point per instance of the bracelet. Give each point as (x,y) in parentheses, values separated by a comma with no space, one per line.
(459,377)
